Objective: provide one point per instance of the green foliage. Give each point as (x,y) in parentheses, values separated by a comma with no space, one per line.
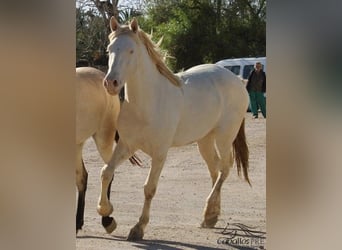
(92,27)
(203,31)
(91,36)
(193,31)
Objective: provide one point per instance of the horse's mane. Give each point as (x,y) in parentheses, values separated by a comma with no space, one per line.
(153,51)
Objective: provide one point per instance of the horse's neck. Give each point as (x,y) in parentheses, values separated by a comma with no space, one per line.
(144,86)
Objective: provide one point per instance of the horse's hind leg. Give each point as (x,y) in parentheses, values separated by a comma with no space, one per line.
(212,208)
(81,183)
(206,147)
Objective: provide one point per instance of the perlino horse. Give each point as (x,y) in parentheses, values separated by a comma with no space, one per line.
(96,115)
(205,104)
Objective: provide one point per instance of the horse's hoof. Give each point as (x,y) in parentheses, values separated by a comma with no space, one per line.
(135,234)
(109,224)
(79,225)
(105,210)
(210,222)
(78,229)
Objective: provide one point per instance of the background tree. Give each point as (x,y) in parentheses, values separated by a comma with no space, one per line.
(193,31)
(204,31)
(91,36)
(92,27)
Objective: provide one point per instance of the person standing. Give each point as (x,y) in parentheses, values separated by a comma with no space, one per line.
(256,87)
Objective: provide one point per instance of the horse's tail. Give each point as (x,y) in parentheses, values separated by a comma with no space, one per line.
(241,152)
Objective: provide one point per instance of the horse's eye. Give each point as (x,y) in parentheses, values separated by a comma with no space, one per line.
(131,51)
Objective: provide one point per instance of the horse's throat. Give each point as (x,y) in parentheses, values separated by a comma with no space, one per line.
(142,88)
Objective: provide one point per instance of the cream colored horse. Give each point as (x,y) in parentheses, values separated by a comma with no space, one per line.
(96,115)
(205,104)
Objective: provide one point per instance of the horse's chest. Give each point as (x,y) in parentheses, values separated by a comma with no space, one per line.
(145,132)
(131,126)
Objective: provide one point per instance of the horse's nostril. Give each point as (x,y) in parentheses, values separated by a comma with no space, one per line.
(115,83)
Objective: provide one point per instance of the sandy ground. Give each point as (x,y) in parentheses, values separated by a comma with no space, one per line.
(177,208)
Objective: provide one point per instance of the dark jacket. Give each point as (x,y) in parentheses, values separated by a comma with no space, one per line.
(248,86)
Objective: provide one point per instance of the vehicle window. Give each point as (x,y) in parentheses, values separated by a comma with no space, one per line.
(235,69)
(247,70)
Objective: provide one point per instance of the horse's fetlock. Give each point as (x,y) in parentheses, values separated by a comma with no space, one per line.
(136,233)
(105,210)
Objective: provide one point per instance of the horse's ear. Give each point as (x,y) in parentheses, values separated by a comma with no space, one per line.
(160,41)
(134,25)
(114,25)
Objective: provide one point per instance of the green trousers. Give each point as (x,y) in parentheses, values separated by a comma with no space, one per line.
(257,100)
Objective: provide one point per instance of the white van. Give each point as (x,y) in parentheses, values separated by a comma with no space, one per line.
(242,66)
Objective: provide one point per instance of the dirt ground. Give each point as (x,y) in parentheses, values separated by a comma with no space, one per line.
(176,211)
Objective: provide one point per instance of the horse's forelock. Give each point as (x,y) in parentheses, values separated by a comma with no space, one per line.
(122,30)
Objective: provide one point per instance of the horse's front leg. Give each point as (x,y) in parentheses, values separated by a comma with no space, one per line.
(108,222)
(150,187)
(104,207)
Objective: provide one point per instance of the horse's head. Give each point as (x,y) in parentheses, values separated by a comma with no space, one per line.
(122,55)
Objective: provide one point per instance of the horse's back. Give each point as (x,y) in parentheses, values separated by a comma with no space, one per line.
(230,87)
(202,97)
(209,74)
(93,104)
(211,81)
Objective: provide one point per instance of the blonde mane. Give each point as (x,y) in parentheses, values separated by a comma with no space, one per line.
(153,51)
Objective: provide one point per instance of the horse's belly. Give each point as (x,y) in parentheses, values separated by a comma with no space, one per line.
(201,111)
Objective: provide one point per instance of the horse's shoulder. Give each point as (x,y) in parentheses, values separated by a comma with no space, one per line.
(129,115)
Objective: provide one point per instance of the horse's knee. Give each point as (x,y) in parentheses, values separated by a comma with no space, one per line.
(231,161)
(149,192)
(214,176)
(225,173)
(107,173)
(106,151)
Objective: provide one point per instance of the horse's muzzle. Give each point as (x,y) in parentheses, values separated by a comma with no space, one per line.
(112,86)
